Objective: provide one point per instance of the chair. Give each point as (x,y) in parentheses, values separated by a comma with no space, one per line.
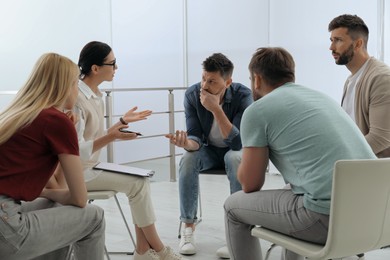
(359,214)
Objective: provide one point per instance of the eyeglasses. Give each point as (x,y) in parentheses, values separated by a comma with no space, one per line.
(109,64)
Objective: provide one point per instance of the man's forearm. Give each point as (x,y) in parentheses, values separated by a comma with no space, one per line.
(225,126)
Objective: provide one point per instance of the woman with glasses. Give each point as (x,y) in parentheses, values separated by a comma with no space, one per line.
(98,64)
(32,146)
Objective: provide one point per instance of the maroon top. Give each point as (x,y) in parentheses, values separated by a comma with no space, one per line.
(29,158)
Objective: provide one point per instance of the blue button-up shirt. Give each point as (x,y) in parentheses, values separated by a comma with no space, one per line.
(199,120)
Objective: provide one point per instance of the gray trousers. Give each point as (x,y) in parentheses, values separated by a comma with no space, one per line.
(43,229)
(278,210)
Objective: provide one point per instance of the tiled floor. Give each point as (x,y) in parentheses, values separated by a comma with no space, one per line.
(210,232)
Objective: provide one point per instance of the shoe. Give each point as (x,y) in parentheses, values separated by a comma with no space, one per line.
(223,252)
(148,255)
(187,242)
(168,254)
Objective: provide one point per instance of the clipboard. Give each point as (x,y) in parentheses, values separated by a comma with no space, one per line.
(123,169)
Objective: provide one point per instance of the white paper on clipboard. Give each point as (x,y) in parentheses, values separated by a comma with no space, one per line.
(124,169)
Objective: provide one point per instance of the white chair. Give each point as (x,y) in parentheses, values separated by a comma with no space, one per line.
(359,215)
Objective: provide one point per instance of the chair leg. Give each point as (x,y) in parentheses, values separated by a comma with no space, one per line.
(179,233)
(269,251)
(199,219)
(360,256)
(127,227)
(126,224)
(200,208)
(69,255)
(105,251)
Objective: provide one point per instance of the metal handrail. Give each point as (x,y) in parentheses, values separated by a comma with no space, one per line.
(8,92)
(109,120)
(171,111)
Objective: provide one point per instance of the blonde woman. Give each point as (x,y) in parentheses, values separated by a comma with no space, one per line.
(98,64)
(32,144)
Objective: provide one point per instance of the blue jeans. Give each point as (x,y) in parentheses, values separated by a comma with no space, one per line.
(43,229)
(278,210)
(206,158)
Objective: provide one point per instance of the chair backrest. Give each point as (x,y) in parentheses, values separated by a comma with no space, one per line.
(360,207)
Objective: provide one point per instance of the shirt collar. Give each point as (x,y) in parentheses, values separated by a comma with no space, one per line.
(87,91)
(228,95)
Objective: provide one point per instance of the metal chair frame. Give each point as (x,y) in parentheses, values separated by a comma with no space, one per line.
(104,195)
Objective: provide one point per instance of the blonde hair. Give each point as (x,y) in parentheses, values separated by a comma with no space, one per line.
(48,86)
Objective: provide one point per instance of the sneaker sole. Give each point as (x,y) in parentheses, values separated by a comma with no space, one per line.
(187,253)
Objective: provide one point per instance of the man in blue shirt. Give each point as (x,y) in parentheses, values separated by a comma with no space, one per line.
(213,110)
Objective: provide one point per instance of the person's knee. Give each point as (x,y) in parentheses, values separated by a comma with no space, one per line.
(189,163)
(229,206)
(96,216)
(143,183)
(138,186)
(232,159)
(95,212)
(231,202)
(226,205)
(188,158)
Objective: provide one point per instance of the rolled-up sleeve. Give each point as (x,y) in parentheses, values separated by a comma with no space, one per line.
(194,128)
(85,147)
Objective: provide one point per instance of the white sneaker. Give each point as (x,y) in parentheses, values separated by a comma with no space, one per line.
(223,252)
(168,254)
(148,255)
(187,241)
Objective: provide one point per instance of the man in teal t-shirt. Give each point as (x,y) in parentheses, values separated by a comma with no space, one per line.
(303,132)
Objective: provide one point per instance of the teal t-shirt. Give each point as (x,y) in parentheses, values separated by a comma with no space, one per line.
(306,133)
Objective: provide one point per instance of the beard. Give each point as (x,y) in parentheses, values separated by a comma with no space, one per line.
(346,56)
(256,96)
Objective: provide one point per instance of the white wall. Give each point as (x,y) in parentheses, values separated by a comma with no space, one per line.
(387,32)
(235,28)
(301,27)
(30,28)
(152,42)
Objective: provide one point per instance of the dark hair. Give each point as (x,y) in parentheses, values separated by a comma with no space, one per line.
(93,53)
(219,62)
(355,25)
(275,65)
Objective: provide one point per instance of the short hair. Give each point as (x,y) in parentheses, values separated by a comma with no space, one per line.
(354,24)
(219,63)
(274,64)
(93,53)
